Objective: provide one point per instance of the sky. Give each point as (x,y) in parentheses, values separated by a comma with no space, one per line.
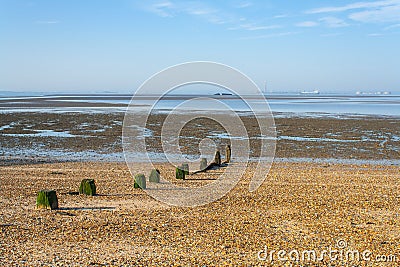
(115,45)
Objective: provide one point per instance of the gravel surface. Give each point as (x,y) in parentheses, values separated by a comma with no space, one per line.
(301,206)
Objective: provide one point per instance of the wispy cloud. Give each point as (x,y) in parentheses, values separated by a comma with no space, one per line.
(199,9)
(47,22)
(201,12)
(392,27)
(208,13)
(280,16)
(333,22)
(366,12)
(357,5)
(162,9)
(265,36)
(307,24)
(244,5)
(254,27)
(384,14)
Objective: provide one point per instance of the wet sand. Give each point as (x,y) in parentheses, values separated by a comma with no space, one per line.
(300,206)
(51,137)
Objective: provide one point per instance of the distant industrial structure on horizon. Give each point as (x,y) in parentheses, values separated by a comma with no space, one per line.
(373,93)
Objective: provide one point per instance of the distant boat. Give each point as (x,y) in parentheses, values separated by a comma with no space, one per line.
(222,94)
(315,92)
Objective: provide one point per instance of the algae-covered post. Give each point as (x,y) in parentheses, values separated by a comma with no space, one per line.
(140,181)
(179,173)
(47,199)
(154,176)
(217,158)
(87,187)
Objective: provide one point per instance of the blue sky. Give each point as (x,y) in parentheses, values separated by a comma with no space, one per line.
(98,45)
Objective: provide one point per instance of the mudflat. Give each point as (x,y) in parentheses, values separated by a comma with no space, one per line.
(28,137)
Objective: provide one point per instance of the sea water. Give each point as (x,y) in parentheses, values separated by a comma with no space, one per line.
(289,104)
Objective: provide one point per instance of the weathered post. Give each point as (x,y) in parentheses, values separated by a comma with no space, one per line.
(203,164)
(47,199)
(154,176)
(217,158)
(185,167)
(228,153)
(87,187)
(140,181)
(179,173)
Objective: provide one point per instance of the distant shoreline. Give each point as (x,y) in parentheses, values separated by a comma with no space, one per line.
(280,105)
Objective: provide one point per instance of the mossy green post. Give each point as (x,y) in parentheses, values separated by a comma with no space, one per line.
(228,153)
(203,164)
(87,187)
(179,173)
(217,158)
(47,199)
(154,176)
(140,181)
(185,167)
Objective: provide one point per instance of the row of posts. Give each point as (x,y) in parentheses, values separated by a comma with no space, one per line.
(48,198)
